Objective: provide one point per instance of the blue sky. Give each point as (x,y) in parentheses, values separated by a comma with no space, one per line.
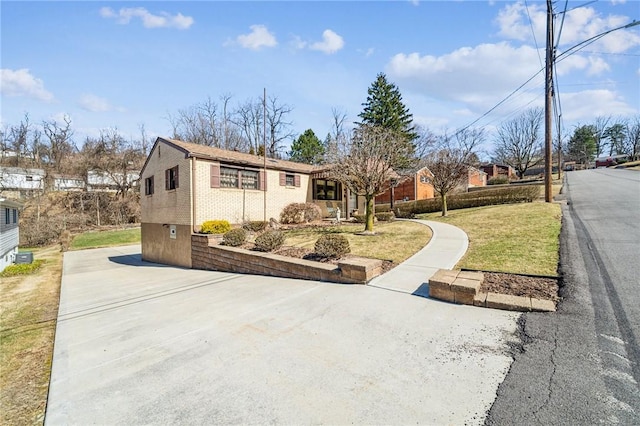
(118,65)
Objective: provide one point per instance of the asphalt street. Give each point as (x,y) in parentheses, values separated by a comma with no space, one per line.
(582,365)
(141,343)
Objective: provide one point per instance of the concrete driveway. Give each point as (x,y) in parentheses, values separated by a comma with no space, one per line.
(140,343)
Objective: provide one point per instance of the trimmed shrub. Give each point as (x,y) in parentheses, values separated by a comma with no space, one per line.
(235,237)
(405,212)
(300,213)
(485,197)
(332,246)
(255,226)
(385,216)
(359,218)
(498,180)
(269,240)
(215,227)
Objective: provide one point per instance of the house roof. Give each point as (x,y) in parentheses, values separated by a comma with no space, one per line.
(10,203)
(233,157)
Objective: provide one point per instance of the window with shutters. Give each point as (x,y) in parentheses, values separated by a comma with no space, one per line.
(289,179)
(171,178)
(228,177)
(249,179)
(232,177)
(148,186)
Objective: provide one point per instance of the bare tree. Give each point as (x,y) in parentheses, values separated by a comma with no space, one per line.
(249,117)
(600,125)
(57,150)
(278,128)
(519,141)
(16,138)
(366,162)
(197,124)
(115,158)
(632,137)
(450,159)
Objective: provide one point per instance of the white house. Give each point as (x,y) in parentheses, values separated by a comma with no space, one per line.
(18,178)
(9,234)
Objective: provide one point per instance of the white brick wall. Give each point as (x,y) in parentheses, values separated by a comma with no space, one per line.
(171,207)
(237,205)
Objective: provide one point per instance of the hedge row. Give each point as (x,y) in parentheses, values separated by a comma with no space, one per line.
(488,197)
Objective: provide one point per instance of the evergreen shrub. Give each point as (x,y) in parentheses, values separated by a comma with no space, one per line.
(269,240)
(235,237)
(332,246)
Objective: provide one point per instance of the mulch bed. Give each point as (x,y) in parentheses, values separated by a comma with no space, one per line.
(520,285)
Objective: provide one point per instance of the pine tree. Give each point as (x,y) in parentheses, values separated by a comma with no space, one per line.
(307,148)
(582,145)
(384,108)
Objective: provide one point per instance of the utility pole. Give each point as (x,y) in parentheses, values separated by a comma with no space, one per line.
(264,149)
(548,90)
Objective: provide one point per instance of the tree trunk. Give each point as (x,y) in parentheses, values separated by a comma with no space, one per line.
(369,214)
(444,204)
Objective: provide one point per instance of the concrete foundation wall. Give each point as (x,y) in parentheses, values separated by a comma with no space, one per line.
(159,247)
(206,254)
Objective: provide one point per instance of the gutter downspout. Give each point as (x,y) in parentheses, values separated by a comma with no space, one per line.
(192,183)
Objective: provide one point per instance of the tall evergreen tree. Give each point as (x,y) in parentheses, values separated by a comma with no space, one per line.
(582,145)
(384,108)
(307,148)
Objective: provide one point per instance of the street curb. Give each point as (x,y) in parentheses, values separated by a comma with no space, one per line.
(463,287)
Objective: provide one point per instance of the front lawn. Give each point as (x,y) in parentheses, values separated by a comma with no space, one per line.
(28,313)
(95,239)
(395,241)
(517,238)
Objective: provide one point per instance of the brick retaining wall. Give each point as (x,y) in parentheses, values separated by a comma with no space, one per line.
(207,254)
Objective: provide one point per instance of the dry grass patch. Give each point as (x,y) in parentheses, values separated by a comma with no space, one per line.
(516,238)
(28,312)
(394,241)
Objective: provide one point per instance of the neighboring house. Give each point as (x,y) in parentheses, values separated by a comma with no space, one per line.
(184,184)
(9,233)
(67,183)
(21,179)
(497,170)
(103,181)
(476,177)
(416,187)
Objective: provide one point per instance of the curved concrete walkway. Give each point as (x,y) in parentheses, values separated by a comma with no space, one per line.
(446,247)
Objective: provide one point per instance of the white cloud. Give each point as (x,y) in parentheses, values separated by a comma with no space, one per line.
(579,25)
(94,103)
(331,43)
(584,106)
(478,76)
(149,20)
(258,38)
(22,83)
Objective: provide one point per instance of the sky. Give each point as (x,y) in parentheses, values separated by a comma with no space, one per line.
(107,64)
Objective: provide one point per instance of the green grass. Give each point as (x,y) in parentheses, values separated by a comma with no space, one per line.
(105,239)
(518,238)
(395,241)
